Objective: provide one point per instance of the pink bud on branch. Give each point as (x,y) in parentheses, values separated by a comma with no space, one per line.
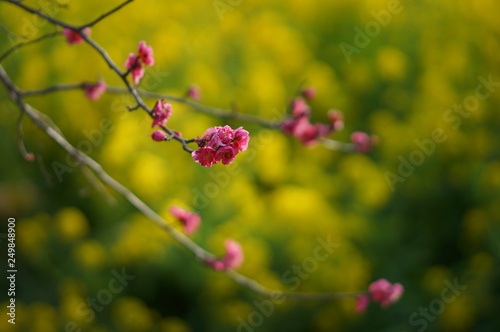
(190,221)
(309,93)
(363,142)
(161,113)
(231,260)
(158,135)
(74,36)
(381,291)
(94,91)
(134,63)
(194,92)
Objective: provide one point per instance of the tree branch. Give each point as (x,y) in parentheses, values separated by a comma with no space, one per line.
(201,254)
(110,63)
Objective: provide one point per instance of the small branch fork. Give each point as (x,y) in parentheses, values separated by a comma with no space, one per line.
(45,124)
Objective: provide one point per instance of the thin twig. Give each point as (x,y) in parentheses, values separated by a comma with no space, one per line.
(213,111)
(98,186)
(26,43)
(53,88)
(103,16)
(39,13)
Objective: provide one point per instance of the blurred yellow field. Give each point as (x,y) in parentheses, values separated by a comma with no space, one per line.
(421,208)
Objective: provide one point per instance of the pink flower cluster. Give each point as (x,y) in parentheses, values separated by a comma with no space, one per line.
(135,62)
(220,144)
(363,142)
(94,91)
(190,221)
(231,260)
(381,291)
(299,124)
(74,36)
(161,113)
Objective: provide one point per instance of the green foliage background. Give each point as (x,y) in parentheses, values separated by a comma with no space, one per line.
(441,223)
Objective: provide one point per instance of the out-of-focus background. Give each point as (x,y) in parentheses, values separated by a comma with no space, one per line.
(422,209)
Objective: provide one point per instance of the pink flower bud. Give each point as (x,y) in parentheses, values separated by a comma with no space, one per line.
(146,54)
(300,108)
(94,91)
(161,113)
(362,141)
(309,93)
(134,64)
(362,303)
(74,36)
(158,135)
(231,260)
(29,157)
(336,120)
(190,221)
(194,92)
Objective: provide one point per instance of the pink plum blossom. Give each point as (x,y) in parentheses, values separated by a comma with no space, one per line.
(308,133)
(158,135)
(362,141)
(381,291)
(94,91)
(190,221)
(135,67)
(29,157)
(309,93)
(303,130)
(146,54)
(204,156)
(241,139)
(362,303)
(220,144)
(231,260)
(226,154)
(161,113)
(226,134)
(336,120)
(74,36)
(287,126)
(300,126)
(300,107)
(194,92)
